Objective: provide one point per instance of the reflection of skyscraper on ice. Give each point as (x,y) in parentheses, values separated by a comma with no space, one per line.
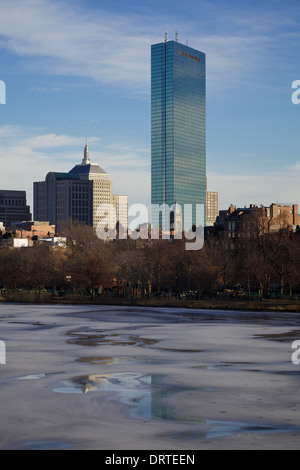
(77,195)
(94,382)
(159,394)
(146,395)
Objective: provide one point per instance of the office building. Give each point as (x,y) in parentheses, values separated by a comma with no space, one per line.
(13,207)
(77,196)
(62,198)
(178,127)
(212,210)
(100,188)
(120,204)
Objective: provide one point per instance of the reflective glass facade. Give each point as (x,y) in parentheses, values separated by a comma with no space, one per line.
(178,125)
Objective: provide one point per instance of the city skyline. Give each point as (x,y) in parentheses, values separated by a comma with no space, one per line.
(73,69)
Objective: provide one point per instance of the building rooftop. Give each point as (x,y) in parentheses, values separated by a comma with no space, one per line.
(12,193)
(65,176)
(87,168)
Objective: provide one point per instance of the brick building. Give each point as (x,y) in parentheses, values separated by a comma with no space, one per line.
(34,230)
(246,223)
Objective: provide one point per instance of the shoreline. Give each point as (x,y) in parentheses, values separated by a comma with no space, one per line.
(270,305)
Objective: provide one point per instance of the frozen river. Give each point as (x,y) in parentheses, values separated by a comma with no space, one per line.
(125,378)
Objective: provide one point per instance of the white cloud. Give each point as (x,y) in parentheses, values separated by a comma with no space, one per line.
(260,187)
(48,141)
(27,155)
(125,157)
(65,40)
(24,160)
(136,184)
(114,49)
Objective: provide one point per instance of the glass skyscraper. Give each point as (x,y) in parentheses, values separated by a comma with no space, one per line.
(178,127)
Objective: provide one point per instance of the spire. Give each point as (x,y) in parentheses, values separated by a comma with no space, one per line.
(86,159)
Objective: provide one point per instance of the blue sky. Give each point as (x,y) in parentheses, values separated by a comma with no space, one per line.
(83,66)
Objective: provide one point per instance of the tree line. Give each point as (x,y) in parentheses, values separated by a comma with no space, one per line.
(144,268)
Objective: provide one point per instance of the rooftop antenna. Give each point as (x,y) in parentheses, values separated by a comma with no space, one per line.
(166,36)
(187,42)
(176,36)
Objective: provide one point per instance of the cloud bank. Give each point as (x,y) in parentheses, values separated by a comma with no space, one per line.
(27,155)
(113,49)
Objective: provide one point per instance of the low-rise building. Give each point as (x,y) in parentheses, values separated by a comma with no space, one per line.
(283,216)
(34,230)
(54,241)
(249,222)
(16,243)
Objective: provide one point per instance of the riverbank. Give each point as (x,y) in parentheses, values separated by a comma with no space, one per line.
(268,305)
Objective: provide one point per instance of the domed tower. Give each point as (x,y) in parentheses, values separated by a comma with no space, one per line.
(102,186)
